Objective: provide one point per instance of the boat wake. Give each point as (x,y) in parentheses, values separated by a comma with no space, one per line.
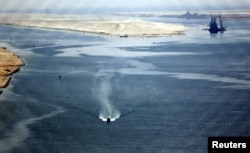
(104,91)
(20,131)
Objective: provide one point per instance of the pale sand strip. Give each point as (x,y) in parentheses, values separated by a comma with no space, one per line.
(9,64)
(98,25)
(4,81)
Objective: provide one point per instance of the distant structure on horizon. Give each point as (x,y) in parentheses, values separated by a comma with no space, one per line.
(227,14)
(189,15)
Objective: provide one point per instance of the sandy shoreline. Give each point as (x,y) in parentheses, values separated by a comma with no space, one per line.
(96,25)
(9,64)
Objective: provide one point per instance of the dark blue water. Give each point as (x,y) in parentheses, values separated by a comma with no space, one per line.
(165,94)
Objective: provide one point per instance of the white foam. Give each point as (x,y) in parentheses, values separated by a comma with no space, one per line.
(103,92)
(104,117)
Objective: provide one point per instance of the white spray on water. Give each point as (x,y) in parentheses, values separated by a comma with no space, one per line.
(104,91)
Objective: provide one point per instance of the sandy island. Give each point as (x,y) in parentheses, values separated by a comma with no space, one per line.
(97,25)
(9,64)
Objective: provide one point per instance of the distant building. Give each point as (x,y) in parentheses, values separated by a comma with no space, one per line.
(189,15)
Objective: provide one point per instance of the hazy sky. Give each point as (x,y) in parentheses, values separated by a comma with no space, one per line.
(129,4)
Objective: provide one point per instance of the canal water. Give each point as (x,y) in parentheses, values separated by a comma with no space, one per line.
(164,94)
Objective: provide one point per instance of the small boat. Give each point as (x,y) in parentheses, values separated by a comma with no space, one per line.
(123,36)
(108,120)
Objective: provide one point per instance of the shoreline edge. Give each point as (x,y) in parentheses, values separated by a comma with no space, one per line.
(10,63)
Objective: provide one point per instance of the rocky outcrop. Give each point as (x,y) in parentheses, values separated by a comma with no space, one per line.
(9,64)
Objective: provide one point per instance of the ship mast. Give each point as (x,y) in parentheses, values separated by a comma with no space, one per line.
(221,22)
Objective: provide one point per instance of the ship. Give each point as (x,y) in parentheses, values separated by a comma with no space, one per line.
(214,28)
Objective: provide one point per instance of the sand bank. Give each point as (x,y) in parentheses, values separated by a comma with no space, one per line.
(9,64)
(97,25)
